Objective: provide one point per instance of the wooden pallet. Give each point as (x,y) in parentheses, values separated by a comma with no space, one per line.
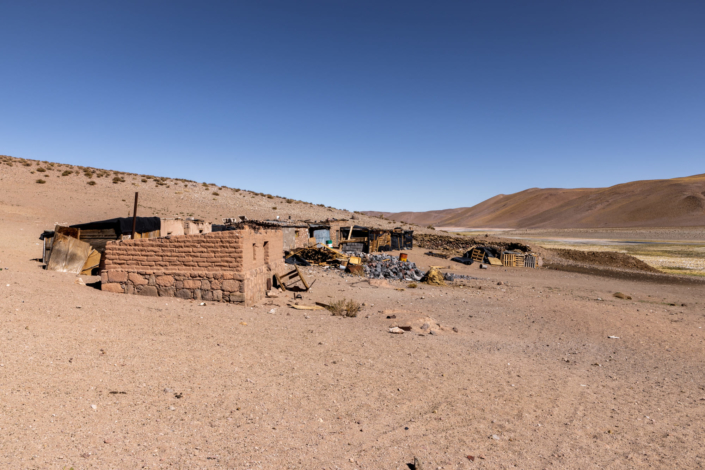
(530,261)
(494,261)
(509,260)
(478,255)
(290,277)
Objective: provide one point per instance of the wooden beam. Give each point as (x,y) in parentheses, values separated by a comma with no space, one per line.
(134,217)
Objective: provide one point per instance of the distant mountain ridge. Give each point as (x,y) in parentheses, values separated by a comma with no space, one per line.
(676,202)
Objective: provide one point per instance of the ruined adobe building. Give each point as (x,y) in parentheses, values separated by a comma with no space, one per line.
(179,226)
(230,266)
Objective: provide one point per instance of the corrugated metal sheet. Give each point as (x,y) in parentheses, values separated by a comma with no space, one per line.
(321,235)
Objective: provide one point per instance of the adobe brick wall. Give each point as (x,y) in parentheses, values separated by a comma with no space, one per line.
(301,238)
(335,226)
(230,266)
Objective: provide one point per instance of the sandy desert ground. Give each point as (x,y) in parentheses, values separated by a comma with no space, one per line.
(531,379)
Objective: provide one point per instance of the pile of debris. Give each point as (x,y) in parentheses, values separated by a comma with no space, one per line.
(480,254)
(379,266)
(434,277)
(450,277)
(494,257)
(315,255)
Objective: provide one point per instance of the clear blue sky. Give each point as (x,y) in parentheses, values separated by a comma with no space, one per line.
(360,105)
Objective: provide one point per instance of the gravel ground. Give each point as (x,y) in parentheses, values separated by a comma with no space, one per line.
(531,379)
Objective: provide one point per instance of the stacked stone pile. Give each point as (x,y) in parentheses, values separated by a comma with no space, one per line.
(463,244)
(380,266)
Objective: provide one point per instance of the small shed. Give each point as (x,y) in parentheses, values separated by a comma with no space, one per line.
(295,234)
(364,239)
(321,232)
(402,239)
(78,248)
(97,234)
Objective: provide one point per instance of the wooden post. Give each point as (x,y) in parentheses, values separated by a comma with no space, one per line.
(134,217)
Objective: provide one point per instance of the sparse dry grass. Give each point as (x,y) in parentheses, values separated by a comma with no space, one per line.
(344,308)
(671,258)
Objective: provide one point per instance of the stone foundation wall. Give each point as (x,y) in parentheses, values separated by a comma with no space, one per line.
(248,288)
(207,267)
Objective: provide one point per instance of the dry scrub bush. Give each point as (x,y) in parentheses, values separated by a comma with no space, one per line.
(413,285)
(40,181)
(66,172)
(216,193)
(41,170)
(91,183)
(344,308)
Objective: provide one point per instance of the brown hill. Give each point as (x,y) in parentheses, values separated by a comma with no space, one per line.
(48,193)
(677,202)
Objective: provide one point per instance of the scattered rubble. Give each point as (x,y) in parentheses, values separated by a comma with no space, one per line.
(437,255)
(379,266)
(450,277)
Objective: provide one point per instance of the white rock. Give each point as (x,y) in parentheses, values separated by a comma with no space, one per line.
(273,311)
(396,331)
(95,407)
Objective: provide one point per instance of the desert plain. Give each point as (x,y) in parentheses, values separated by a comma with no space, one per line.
(525,368)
